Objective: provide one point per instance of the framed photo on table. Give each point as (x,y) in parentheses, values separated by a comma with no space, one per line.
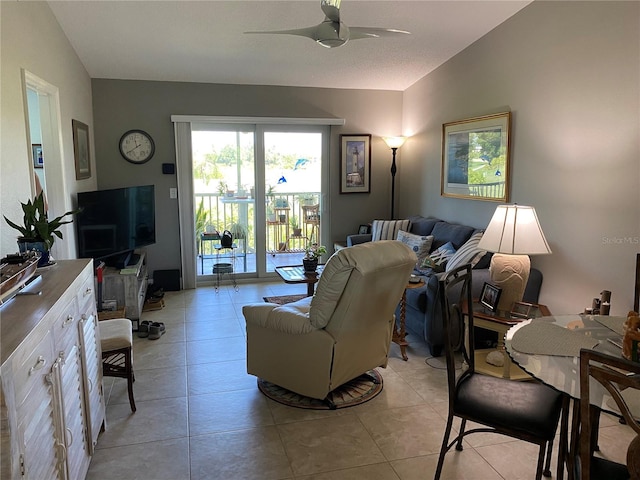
(355,163)
(475,158)
(522,310)
(490,296)
(364,229)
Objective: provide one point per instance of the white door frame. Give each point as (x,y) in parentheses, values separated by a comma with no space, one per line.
(50,121)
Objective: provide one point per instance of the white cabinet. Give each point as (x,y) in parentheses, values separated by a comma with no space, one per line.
(128,287)
(51,400)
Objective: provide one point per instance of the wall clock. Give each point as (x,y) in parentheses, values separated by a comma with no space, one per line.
(136,146)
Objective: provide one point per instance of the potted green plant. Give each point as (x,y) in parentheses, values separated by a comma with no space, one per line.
(201,220)
(37,231)
(311,255)
(295,226)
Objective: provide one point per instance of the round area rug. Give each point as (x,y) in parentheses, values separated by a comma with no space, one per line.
(354,392)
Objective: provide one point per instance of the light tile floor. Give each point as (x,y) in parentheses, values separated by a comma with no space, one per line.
(200,416)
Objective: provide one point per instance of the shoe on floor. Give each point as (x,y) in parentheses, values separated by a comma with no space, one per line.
(143,329)
(156,330)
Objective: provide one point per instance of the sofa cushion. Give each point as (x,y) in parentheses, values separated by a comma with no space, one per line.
(388,229)
(437,260)
(444,232)
(422,225)
(467,253)
(420,244)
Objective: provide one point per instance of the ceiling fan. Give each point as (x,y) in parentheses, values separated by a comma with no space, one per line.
(332,32)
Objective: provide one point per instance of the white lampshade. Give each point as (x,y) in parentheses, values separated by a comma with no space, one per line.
(394,142)
(514,229)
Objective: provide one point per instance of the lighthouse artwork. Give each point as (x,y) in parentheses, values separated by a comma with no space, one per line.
(355,156)
(354,177)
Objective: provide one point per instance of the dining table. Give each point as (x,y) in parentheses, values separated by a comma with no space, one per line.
(548,348)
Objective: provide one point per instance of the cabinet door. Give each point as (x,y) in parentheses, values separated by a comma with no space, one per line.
(92,366)
(38,424)
(75,442)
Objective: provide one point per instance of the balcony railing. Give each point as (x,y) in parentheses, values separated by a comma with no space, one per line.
(285,213)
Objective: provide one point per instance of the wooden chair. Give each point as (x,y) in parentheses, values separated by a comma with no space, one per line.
(116,341)
(311,222)
(615,374)
(527,411)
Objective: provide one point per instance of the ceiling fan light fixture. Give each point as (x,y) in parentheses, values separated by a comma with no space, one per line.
(332,34)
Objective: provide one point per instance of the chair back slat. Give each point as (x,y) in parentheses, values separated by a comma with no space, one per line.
(455,298)
(614,374)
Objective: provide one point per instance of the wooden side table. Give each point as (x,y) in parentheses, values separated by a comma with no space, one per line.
(296,274)
(500,322)
(400,333)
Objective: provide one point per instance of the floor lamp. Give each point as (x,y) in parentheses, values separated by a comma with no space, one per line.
(394,144)
(514,233)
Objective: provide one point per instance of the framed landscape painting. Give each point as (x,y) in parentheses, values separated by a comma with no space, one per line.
(475,158)
(355,163)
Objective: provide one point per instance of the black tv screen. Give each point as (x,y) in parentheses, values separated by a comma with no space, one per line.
(114,222)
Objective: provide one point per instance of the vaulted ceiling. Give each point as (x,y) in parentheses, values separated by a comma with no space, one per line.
(204,41)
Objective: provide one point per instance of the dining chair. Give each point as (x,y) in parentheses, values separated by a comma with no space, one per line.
(528,411)
(116,342)
(616,375)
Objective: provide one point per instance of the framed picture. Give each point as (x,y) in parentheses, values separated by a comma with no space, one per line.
(81,153)
(364,229)
(355,163)
(38,158)
(490,296)
(521,310)
(475,158)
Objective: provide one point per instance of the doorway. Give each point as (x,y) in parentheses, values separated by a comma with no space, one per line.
(264,185)
(42,113)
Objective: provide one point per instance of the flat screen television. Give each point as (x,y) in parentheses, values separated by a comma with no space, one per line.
(113,223)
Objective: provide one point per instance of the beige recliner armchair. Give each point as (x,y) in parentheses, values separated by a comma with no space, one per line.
(317,344)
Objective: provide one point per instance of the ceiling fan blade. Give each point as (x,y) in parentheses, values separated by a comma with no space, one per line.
(374,32)
(309,32)
(331,9)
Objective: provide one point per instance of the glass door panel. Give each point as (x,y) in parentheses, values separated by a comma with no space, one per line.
(262,183)
(292,185)
(224,191)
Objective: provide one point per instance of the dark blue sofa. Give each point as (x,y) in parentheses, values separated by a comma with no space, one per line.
(423,314)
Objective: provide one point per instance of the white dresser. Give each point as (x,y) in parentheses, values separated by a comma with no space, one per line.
(51,399)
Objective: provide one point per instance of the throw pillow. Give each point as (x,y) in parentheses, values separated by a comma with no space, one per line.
(420,244)
(388,229)
(467,253)
(437,260)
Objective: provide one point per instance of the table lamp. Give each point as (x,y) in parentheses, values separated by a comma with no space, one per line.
(513,234)
(394,143)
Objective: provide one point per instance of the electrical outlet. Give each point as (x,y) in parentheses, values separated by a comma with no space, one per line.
(173,193)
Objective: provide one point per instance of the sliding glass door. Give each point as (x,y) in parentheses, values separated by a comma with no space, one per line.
(264,184)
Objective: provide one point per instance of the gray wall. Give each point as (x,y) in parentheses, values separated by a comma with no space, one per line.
(32,39)
(569,72)
(122,105)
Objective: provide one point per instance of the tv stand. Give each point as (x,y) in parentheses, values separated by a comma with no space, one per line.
(128,286)
(122,260)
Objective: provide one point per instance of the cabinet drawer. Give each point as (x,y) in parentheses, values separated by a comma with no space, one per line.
(86,295)
(31,365)
(65,326)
